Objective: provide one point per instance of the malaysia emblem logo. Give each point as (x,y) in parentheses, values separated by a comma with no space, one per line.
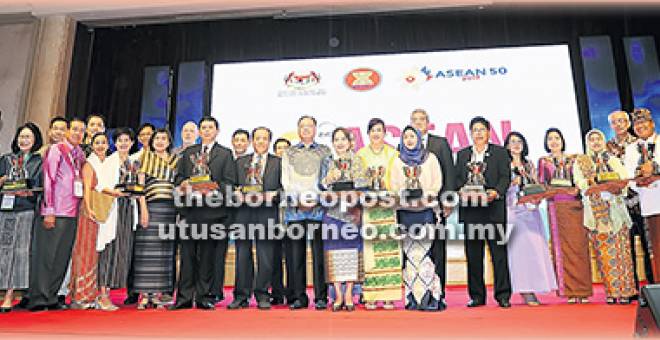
(302,81)
(362,79)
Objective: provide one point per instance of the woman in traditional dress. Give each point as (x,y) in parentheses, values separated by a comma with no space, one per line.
(530,265)
(343,256)
(570,244)
(606,217)
(417,168)
(115,237)
(382,257)
(154,257)
(17,211)
(83,288)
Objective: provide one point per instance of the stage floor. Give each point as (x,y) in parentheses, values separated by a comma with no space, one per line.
(553,319)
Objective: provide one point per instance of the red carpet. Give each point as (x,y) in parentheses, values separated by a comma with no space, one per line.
(554,319)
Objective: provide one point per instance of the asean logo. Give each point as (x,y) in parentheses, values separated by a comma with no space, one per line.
(362,79)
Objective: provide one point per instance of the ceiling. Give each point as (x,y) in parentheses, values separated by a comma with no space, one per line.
(182,10)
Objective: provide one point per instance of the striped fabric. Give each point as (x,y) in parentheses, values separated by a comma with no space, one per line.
(115,259)
(153,265)
(160,174)
(15,238)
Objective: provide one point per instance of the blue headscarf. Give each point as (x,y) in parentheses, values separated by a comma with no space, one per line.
(412,157)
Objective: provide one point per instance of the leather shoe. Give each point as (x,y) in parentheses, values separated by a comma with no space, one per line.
(215,298)
(473,304)
(263,305)
(442,304)
(504,303)
(277,301)
(297,305)
(238,304)
(25,301)
(58,306)
(131,299)
(39,308)
(321,305)
(61,299)
(205,304)
(179,306)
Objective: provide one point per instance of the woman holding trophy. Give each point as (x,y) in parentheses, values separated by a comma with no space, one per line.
(115,237)
(380,283)
(570,244)
(153,265)
(20,171)
(602,180)
(530,264)
(416,176)
(343,171)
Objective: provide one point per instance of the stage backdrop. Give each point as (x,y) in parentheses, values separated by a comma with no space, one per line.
(527,89)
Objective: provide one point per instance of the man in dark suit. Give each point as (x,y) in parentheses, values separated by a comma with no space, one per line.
(260,168)
(439,146)
(497,176)
(198,256)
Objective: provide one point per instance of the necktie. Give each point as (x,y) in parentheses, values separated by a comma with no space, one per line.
(206,149)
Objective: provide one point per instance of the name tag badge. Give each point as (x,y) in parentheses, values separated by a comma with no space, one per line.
(78,188)
(8,202)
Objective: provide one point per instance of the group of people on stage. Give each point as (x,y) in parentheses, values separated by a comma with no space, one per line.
(75,233)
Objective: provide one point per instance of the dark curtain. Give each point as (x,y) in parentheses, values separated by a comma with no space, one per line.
(108,63)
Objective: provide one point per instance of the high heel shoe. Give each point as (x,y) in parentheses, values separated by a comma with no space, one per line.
(349,307)
(611,301)
(144,303)
(337,306)
(5,309)
(624,301)
(572,300)
(103,303)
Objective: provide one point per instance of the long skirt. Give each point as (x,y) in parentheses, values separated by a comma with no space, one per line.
(343,255)
(84,261)
(15,238)
(423,287)
(615,262)
(115,259)
(530,265)
(153,266)
(570,248)
(382,257)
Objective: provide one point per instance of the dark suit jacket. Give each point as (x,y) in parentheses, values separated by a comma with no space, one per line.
(223,172)
(271,182)
(498,177)
(440,148)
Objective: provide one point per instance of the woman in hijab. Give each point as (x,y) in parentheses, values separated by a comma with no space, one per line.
(417,171)
(606,216)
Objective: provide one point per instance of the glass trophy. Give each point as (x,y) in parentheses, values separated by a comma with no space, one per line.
(604,172)
(376,177)
(17,178)
(647,156)
(129,179)
(254,179)
(345,181)
(561,176)
(200,179)
(413,187)
(528,186)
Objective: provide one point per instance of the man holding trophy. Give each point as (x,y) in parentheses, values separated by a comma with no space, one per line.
(205,171)
(642,160)
(484,172)
(258,178)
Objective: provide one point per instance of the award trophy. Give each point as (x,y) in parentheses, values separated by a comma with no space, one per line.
(345,182)
(475,186)
(201,174)
(128,178)
(17,179)
(604,172)
(527,184)
(561,177)
(254,179)
(413,186)
(376,176)
(647,156)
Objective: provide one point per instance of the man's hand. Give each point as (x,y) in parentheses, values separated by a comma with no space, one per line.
(492,195)
(49,221)
(646,169)
(144,219)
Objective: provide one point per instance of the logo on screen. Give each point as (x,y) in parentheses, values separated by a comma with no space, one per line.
(302,81)
(362,79)
(415,77)
(302,84)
